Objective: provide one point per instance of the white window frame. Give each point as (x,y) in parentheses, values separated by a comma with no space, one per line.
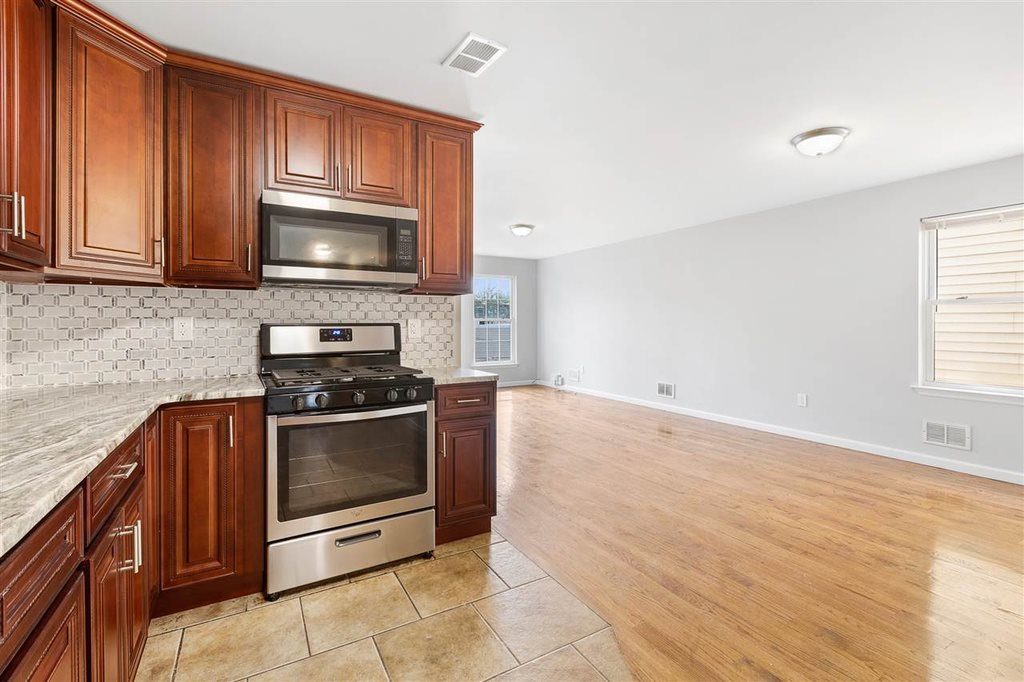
(926,385)
(513,319)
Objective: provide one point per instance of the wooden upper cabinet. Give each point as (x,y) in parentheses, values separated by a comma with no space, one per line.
(303,143)
(379,158)
(109,155)
(213,171)
(25,67)
(446,210)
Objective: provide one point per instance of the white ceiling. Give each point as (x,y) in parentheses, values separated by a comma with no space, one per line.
(607,121)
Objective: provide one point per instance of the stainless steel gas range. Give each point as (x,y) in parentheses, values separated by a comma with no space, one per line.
(350,451)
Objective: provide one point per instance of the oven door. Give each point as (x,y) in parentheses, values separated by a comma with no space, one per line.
(334,241)
(330,470)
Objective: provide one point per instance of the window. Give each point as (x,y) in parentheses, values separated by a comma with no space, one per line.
(972,316)
(494,320)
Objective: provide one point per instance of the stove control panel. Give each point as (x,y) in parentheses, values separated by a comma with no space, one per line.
(317,399)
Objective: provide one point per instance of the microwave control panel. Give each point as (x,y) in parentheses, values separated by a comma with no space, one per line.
(406,249)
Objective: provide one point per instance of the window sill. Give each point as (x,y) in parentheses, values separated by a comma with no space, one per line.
(969,394)
(494,364)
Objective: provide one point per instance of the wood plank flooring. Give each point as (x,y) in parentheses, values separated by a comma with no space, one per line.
(717,552)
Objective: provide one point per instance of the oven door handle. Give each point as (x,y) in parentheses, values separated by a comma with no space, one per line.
(351,416)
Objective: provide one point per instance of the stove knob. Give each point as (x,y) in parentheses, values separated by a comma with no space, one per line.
(298,403)
(359,397)
(321,400)
(410,394)
(392,395)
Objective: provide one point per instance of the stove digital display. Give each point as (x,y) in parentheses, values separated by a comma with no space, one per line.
(335,334)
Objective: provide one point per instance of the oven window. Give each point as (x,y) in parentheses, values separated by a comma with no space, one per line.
(314,242)
(342,465)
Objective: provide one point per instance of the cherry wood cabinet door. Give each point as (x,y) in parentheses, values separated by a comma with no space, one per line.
(106,603)
(151,443)
(25,148)
(211,502)
(213,178)
(446,211)
(379,158)
(136,582)
(109,156)
(57,652)
(303,143)
(466,471)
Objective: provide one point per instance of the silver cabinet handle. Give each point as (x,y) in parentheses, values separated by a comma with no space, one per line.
(337,175)
(23,221)
(158,251)
(137,537)
(127,470)
(444,444)
(248,257)
(423,267)
(231,430)
(350,176)
(463,401)
(15,213)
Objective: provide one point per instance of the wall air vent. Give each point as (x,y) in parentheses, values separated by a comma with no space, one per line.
(474,54)
(666,390)
(948,435)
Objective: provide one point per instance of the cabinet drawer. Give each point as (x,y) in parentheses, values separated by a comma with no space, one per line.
(33,574)
(465,400)
(109,482)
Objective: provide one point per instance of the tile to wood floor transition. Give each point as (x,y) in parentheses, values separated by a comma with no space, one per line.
(366,627)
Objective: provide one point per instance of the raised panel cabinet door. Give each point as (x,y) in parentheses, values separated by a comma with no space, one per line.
(136,582)
(26,145)
(446,211)
(199,475)
(379,158)
(58,649)
(212,177)
(211,490)
(303,143)
(467,470)
(107,617)
(109,156)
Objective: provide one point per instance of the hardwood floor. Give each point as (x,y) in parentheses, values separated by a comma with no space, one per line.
(718,552)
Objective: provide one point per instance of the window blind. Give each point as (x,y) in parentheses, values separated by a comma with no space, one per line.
(977,299)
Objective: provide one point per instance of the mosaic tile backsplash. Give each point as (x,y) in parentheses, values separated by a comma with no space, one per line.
(53,334)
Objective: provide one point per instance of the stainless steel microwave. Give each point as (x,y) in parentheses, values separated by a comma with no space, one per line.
(319,241)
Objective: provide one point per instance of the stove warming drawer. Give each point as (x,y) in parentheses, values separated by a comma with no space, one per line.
(312,558)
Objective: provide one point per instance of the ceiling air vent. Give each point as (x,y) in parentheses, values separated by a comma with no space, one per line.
(949,435)
(474,54)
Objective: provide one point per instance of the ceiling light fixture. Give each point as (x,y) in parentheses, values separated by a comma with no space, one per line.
(521,229)
(820,141)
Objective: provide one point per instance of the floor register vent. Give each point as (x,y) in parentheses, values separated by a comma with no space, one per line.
(666,390)
(474,54)
(948,435)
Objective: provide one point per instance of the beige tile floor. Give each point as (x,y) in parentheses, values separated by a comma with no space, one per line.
(478,610)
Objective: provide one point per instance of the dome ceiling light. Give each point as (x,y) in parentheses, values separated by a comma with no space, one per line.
(820,141)
(521,229)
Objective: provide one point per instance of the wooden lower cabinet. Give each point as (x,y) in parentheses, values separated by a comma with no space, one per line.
(211,512)
(118,592)
(466,472)
(57,652)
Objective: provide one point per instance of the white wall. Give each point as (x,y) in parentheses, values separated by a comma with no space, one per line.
(820,297)
(525,272)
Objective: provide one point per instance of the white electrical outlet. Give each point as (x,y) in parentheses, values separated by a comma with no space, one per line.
(415,327)
(575,374)
(183,328)
(801,400)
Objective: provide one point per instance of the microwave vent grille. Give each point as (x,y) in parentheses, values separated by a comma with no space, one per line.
(475,54)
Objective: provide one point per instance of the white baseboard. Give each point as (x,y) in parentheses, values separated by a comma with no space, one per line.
(1006,475)
(506,384)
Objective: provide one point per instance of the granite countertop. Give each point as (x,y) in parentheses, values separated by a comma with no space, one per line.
(52,437)
(458,375)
